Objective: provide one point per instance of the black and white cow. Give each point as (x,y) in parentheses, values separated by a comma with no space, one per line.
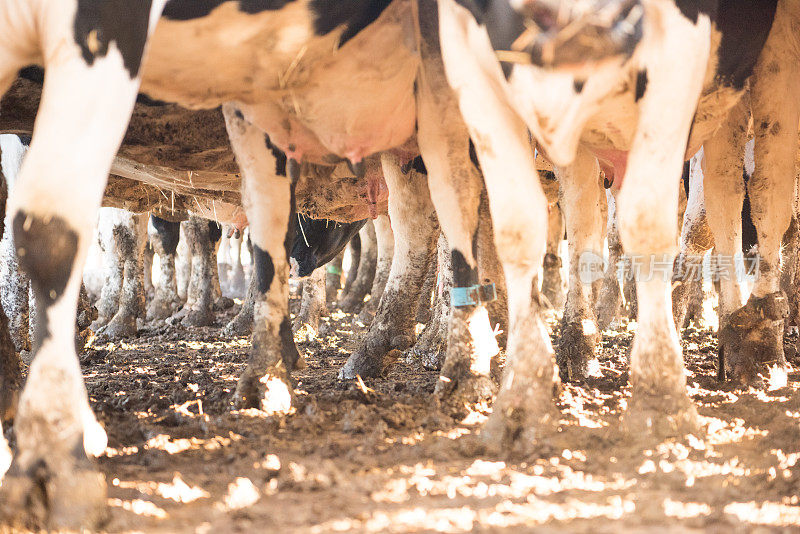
(637,85)
(271,66)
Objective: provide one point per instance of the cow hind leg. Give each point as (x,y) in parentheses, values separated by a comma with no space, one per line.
(414,221)
(312,306)
(581,196)
(609,300)
(164,238)
(267,197)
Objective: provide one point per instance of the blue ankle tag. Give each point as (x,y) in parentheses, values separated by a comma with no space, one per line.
(472,295)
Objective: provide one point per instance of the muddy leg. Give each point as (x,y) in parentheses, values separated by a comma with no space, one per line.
(648,204)
(312,306)
(610,298)
(524,407)
(14,282)
(581,196)
(52,484)
(164,237)
(490,270)
(754,333)
(354,299)
(424,310)
(10,364)
(130,237)
(113,266)
(431,347)
(242,323)
(414,220)
(552,283)
(696,239)
(199,298)
(267,197)
(333,278)
(385,241)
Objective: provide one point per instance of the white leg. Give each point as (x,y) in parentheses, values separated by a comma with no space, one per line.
(54,206)
(582,197)
(648,204)
(267,198)
(524,406)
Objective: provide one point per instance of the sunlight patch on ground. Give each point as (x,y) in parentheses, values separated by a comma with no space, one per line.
(241,494)
(139,507)
(767,513)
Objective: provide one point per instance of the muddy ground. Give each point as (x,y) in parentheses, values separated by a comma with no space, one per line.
(180,459)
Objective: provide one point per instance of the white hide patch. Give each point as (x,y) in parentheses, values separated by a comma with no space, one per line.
(484,339)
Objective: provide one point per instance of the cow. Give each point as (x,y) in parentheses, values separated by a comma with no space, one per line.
(276,75)
(596,84)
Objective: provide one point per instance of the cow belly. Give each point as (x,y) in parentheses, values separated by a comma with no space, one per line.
(353,102)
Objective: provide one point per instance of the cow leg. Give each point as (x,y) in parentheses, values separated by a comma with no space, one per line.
(696,239)
(648,204)
(610,298)
(236,279)
(13,281)
(130,238)
(424,311)
(267,198)
(164,237)
(242,323)
(490,270)
(758,326)
(581,198)
(113,267)
(355,258)
(552,284)
(414,221)
(200,293)
(312,306)
(524,405)
(10,364)
(431,347)
(385,241)
(354,299)
(52,484)
(333,278)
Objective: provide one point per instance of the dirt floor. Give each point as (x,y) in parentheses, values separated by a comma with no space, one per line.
(180,459)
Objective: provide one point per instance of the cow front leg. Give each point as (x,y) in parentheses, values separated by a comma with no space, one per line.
(609,300)
(385,250)
(648,204)
(414,225)
(312,306)
(582,198)
(267,198)
(552,283)
(52,483)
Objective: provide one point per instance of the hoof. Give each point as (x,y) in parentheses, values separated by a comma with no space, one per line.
(54,494)
(223,303)
(366,363)
(660,416)
(198,318)
(159,309)
(516,429)
(465,390)
(241,325)
(120,327)
(268,392)
(575,349)
(752,336)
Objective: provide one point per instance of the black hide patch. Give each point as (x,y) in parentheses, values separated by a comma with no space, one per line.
(168,231)
(354,15)
(98,23)
(46,251)
(691,9)
(288,348)
(195,9)
(463,274)
(265,269)
(641,84)
(744,25)
(280,157)
(577,85)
